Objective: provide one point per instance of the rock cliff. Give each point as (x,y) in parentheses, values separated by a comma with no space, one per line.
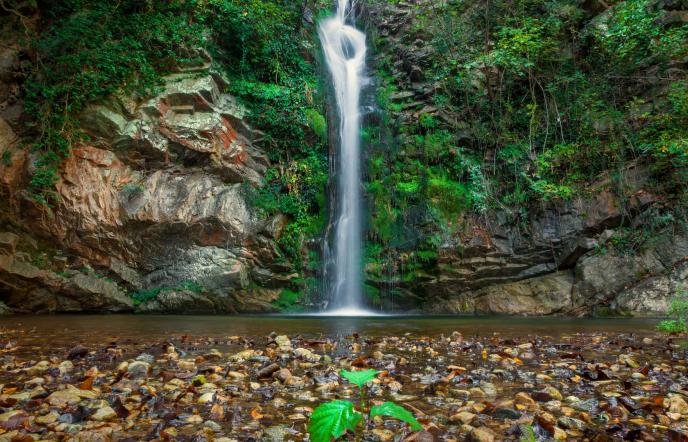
(556,257)
(155,204)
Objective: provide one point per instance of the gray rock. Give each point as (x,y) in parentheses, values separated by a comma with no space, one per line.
(126,273)
(192,201)
(600,276)
(213,268)
(571,423)
(145,357)
(651,297)
(138,369)
(4,310)
(573,250)
(179,301)
(8,243)
(102,121)
(543,295)
(97,294)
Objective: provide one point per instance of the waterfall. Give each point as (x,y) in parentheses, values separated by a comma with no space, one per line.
(345,52)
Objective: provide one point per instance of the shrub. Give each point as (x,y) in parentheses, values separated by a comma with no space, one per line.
(678,309)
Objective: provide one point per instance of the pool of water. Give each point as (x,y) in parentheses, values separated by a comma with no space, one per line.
(68,329)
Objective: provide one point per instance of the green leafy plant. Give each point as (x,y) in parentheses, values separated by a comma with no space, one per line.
(333,419)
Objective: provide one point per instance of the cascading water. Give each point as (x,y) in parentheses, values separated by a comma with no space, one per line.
(345,52)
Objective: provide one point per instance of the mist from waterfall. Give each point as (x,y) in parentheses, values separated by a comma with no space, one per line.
(345,52)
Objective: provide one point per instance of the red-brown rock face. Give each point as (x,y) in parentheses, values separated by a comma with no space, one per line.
(155,200)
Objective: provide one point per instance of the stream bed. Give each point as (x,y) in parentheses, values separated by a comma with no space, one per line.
(258,378)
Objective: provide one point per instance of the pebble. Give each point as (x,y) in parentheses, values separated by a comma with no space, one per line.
(261,387)
(524,398)
(104,414)
(206,398)
(283,343)
(138,369)
(186,365)
(571,423)
(464,417)
(489,389)
(677,405)
(383,435)
(145,357)
(482,434)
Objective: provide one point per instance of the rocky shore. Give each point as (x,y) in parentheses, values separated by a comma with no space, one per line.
(587,386)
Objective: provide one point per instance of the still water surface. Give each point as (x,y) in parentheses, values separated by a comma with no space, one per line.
(65,329)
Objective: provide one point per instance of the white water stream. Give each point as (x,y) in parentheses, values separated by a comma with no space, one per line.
(345,52)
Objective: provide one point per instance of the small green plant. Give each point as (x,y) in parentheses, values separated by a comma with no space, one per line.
(332,419)
(7,158)
(678,309)
(131,190)
(191,286)
(527,434)
(142,296)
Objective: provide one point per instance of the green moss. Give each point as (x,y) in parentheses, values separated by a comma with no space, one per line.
(143,296)
(288,302)
(546,98)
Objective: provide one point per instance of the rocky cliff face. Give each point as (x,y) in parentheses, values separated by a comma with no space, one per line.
(154,204)
(561,257)
(564,261)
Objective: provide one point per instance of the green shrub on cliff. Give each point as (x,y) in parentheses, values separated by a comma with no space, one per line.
(678,309)
(85,50)
(533,101)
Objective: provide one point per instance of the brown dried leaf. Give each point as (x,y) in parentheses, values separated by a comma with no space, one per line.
(16,421)
(217,412)
(86,384)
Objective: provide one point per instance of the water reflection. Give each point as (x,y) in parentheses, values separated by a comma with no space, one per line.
(43,330)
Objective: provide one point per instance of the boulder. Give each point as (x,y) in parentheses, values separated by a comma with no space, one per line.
(126,273)
(180,302)
(191,120)
(4,310)
(95,293)
(161,202)
(651,297)
(214,268)
(599,277)
(8,243)
(544,295)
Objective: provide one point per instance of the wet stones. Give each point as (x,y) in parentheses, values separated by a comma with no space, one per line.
(104,414)
(139,369)
(237,388)
(677,404)
(481,434)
